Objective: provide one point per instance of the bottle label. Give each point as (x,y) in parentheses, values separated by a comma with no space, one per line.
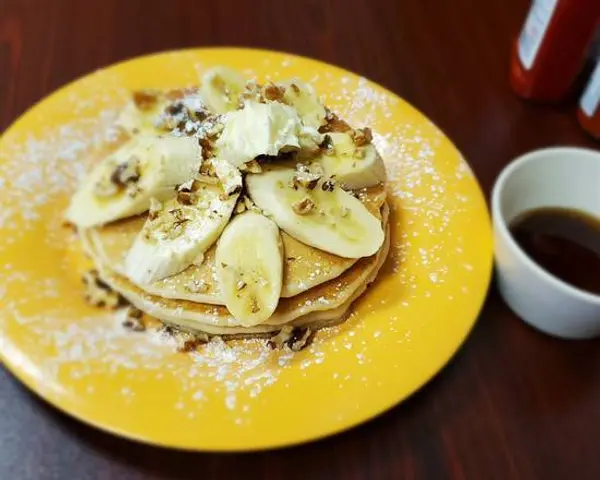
(534,30)
(591,95)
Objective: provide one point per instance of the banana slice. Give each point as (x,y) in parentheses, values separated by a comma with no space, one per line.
(259,129)
(136,118)
(303,98)
(123,183)
(249,260)
(221,89)
(320,214)
(176,234)
(353,166)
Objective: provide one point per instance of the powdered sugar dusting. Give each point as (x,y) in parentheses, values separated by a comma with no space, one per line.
(51,162)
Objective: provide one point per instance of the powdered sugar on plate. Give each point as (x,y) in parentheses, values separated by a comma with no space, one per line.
(41,171)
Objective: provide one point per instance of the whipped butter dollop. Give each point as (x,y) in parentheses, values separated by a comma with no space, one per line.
(263,129)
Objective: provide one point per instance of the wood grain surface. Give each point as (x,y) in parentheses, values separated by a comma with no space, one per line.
(512,404)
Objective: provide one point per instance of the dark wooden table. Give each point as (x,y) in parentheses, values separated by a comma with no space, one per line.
(512,404)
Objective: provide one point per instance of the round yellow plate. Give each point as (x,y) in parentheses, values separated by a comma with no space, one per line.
(245,396)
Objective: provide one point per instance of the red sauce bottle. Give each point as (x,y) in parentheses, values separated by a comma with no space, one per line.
(589,106)
(552,47)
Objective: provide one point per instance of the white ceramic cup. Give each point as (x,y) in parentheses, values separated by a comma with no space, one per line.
(552,177)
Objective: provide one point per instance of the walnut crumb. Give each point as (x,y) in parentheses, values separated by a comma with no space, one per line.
(186,198)
(253,167)
(145,99)
(328,185)
(272,92)
(362,136)
(295,338)
(334,124)
(301,338)
(305,178)
(98,293)
(304,206)
(188,342)
(133,320)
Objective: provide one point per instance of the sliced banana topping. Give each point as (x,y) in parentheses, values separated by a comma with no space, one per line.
(352,159)
(221,89)
(178,232)
(325,217)
(123,183)
(303,98)
(139,115)
(249,260)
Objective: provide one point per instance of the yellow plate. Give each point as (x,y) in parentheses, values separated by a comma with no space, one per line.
(244,397)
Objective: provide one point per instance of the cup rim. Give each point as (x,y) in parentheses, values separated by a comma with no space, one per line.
(501,225)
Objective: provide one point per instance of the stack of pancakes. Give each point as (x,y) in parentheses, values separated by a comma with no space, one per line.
(317,286)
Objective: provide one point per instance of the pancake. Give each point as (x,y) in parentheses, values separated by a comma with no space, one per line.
(325,304)
(305,266)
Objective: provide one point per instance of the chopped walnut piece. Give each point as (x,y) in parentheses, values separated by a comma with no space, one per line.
(197,286)
(362,136)
(328,185)
(334,124)
(208,149)
(252,93)
(98,293)
(295,338)
(133,320)
(207,180)
(188,342)
(185,341)
(301,338)
(175,108)
(145,99)
(273,93)
(168,226)
(253,166)
(305,178)
(186,197)
(304,206)
(279,340)
(207,169)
